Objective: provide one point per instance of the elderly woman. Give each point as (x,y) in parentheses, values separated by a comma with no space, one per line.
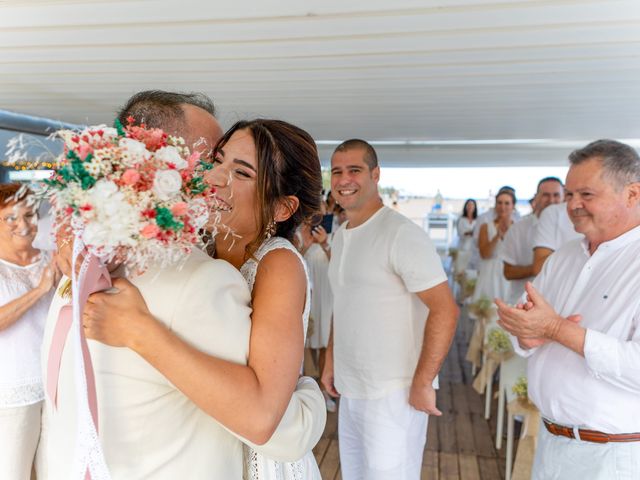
(26,281)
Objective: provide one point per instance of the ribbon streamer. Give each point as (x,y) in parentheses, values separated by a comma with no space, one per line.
(93,277)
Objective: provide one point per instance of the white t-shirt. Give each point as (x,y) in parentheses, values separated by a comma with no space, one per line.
(374,272)
(555,228)
(518,250)
(20,375)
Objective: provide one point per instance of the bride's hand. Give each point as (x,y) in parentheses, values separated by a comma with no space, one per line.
(118,317)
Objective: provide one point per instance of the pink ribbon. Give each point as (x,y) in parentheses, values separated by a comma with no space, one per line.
(95,279)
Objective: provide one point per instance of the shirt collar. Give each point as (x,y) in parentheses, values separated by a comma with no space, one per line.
(615,244)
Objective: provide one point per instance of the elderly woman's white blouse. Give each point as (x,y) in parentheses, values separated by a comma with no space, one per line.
(20,367)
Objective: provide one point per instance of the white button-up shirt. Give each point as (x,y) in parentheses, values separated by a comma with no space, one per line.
(555,228)
(518,250)
(601,390)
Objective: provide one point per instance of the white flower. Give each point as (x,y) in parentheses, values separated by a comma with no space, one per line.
(137,150)
(167,184)
(103,190)
(114,223)
(171,154)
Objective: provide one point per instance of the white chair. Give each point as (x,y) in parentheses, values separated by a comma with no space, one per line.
(510,371)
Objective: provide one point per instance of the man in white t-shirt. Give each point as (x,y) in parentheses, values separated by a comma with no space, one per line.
(394,320)
(517,251)
(580,327)
(554,230)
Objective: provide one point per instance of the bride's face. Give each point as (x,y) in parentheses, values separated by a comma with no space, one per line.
(234,174)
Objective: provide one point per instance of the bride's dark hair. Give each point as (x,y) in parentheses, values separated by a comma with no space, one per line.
(288,164)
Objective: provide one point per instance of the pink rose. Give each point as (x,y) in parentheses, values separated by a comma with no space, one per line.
(179,209)
(150,231)
(84,150)
(130,177)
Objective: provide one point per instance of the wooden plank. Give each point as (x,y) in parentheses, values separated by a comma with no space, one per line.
(430,467)
(331,461)
(464,434)
(449,469)
(432,434)
(482,436)
(447,433)
(489,468)
(469,469)
(339,475)
(320,449)
(331,428)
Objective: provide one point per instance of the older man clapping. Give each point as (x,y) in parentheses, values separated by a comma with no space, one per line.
(581,325)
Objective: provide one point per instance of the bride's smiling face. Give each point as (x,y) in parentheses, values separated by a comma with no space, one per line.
(234,174)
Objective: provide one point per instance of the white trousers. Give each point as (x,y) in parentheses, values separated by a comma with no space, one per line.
(19,436)
(565,458)
(381,439)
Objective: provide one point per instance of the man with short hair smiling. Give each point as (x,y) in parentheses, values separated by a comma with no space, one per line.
(580,326)
(387,281)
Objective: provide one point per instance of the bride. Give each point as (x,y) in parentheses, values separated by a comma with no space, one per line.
(268,181)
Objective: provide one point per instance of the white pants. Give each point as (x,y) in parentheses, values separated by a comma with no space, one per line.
(19,436)
(381,439)
(565,458)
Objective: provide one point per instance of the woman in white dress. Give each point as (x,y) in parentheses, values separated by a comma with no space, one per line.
(491,280)
(26,282)
(268,181)
(466,245)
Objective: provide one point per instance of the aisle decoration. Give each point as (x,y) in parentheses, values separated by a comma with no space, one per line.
(498,348)
(130,196)
(480,310)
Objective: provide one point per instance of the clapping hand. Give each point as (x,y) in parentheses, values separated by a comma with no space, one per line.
(533,322)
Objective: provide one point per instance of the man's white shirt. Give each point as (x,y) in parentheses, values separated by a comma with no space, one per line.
(555,228)
(375,270)
(518,250)
(601,390)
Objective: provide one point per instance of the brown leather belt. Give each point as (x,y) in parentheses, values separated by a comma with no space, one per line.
(591,435)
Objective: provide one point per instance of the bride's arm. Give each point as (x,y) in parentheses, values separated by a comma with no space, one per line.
(250,400)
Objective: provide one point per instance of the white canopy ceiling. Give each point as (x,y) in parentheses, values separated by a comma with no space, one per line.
(412,73)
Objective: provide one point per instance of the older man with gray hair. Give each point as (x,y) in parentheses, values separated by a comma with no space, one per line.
(580,325)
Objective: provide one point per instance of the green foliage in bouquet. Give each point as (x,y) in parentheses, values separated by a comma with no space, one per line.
(481,307)
(498,341)
(521,388)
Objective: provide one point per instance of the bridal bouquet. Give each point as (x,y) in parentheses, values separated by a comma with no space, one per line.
(130,194)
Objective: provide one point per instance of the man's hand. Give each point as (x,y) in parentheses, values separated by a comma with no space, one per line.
(533,322)
(422,396)
(327,376)
(117,318)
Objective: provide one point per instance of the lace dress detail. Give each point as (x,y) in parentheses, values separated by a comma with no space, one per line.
(259,467)
(20,371)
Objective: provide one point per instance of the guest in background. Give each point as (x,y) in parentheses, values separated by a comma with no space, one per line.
(517,254)
(491,282)
(27,277)
(467,249)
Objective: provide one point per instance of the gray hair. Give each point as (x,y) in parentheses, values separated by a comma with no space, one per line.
(620,162)
(160,109)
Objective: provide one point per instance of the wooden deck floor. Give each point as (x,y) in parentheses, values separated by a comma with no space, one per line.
(460,444)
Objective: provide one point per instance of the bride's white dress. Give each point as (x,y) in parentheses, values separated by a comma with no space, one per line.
(259,467)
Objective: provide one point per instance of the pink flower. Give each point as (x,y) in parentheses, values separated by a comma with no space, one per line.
(193,159)
(150,231)
(84,150)
(130,177)
(179,209)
